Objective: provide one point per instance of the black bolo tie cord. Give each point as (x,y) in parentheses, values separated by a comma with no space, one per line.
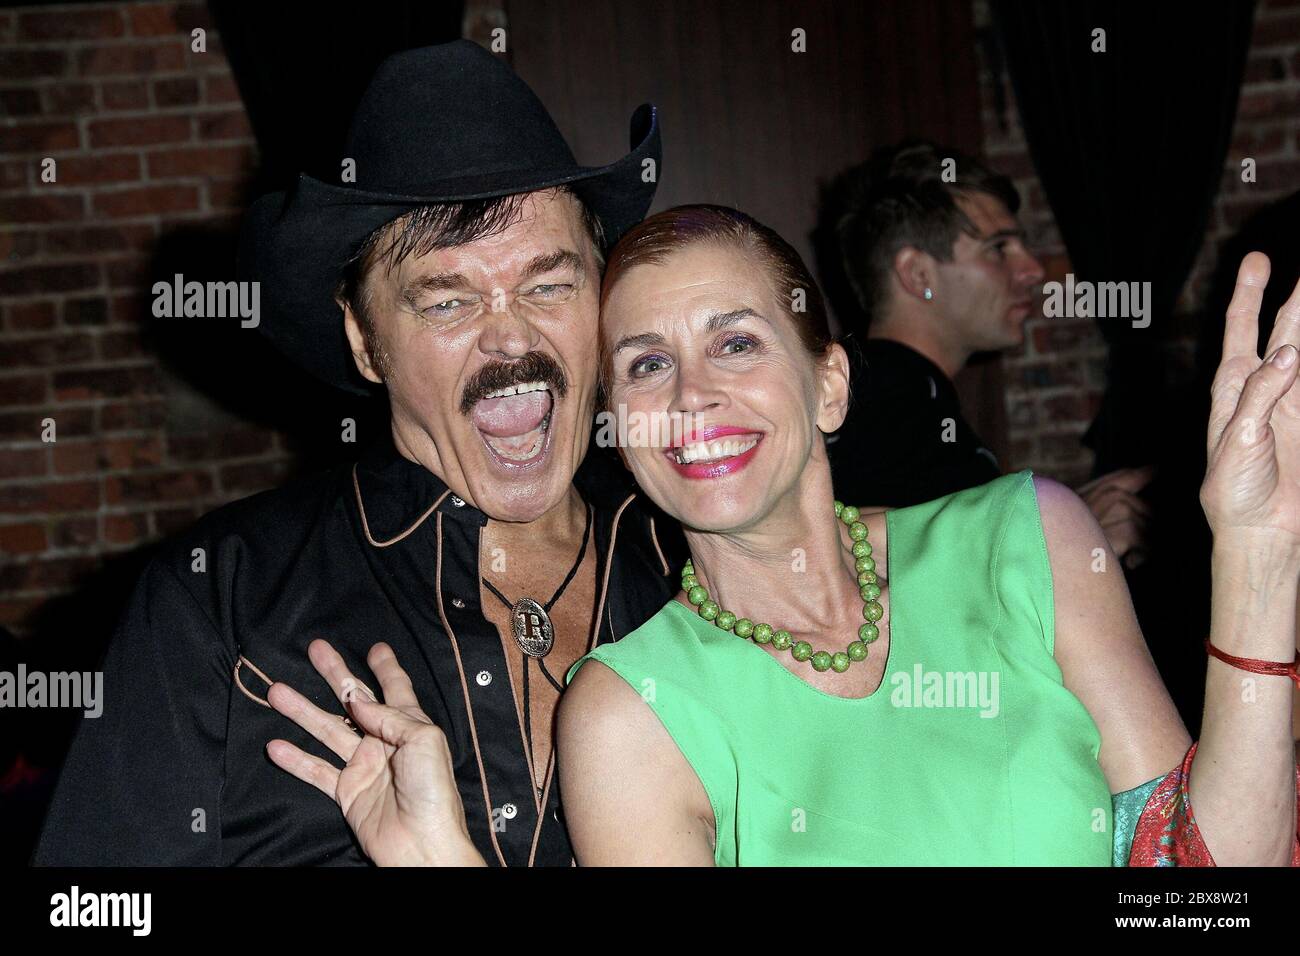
(573,571)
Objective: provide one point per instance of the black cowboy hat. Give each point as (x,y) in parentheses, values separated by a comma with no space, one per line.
(444,123)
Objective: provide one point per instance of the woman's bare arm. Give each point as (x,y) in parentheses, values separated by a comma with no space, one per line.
(1105,663)
(630,797)
(1099,646)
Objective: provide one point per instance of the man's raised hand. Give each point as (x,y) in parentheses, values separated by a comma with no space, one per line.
(397,788)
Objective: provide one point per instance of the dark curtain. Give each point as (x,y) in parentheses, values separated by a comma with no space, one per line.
(302,68)
(1130,146)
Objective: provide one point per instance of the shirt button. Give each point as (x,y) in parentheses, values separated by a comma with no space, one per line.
(509,811)
(457,603)
(457,502)
(483,678)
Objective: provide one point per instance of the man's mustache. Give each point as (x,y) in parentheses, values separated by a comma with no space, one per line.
(533,367)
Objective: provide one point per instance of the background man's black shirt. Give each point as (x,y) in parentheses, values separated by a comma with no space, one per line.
(891,450)
(174,772)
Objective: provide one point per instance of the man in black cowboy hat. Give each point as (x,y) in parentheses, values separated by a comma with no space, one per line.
(460,272)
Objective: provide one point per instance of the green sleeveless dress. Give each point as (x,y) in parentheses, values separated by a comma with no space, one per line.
(971,751)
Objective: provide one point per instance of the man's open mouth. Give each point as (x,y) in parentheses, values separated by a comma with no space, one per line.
(514,422)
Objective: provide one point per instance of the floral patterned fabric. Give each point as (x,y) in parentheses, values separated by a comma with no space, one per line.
(1167,834)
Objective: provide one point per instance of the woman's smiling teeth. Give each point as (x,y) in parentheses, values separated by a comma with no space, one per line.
(715,450)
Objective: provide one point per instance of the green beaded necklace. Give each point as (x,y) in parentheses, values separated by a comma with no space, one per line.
(839,662)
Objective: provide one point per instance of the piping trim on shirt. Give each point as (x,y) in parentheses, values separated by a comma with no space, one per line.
(546,793)
(469,706)
(609,563)
(265,703)
(256,670)
(365,525)
(658,550)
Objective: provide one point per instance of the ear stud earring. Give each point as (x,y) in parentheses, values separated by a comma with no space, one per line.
(929,293)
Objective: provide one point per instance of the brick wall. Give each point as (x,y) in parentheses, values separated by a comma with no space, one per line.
(1055,381)
(150,139)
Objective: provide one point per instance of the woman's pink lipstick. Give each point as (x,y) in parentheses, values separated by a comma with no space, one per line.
(713,469)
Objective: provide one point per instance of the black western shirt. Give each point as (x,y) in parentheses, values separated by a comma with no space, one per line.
(905,439)
(175,772)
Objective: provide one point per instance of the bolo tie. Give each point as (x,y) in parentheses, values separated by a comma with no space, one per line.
(534,635)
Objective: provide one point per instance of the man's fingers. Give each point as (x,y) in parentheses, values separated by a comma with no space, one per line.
(328,728)
(1241,325)
(1135,479)
(1130,503)
(330,665)
(1104,503)
(1127,528)
(393,680)
(1129,479)
(389,724)
(305,767)
(1124,535)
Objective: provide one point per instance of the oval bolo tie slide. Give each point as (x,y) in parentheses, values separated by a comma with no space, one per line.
(532,627)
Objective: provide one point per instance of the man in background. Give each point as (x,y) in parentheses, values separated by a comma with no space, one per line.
(933,253)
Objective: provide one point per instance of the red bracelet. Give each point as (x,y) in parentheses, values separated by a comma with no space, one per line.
(1272,668)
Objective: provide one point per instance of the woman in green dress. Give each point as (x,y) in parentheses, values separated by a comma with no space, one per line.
(957,682)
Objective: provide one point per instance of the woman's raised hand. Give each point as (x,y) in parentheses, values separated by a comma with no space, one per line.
(397,789)
(1251,489)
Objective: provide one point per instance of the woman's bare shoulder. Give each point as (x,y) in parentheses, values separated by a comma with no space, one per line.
(599,702)
(618,762)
